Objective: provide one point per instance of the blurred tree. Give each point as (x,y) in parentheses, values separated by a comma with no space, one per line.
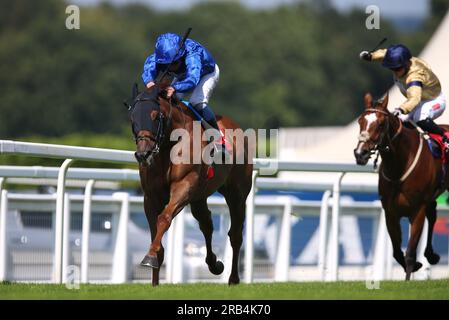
(291,66)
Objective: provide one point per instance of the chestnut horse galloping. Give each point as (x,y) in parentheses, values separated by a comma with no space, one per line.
(410,178)
(169,186)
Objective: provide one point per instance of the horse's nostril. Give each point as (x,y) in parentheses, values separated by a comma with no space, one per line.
(361,156)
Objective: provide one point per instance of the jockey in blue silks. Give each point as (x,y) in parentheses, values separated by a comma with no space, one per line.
(195,71)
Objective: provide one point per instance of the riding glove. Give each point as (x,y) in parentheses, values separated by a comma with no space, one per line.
(365,55)
(398,112)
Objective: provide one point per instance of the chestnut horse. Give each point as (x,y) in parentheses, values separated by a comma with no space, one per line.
(169,186)
(410,178)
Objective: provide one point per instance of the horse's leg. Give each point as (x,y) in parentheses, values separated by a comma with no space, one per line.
(394,230)
(160,255)
(416,225)
(179,196)
(431,214)
(151,211)
(236,204)
(201,212)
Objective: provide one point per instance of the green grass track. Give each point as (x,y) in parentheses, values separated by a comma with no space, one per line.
(432,289)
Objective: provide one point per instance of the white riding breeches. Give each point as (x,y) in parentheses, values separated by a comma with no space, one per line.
(202,92)
(428,109)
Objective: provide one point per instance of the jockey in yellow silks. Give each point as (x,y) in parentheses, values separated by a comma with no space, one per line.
(417,83)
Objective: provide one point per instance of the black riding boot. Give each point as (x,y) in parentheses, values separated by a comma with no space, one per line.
(213,122)
(207,114)
(430,126)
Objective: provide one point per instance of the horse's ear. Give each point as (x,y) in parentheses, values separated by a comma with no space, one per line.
(368,100)
(384,103)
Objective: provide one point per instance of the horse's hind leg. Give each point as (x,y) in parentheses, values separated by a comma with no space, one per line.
(416,225)
(201,212)
(431,214)
(236,204)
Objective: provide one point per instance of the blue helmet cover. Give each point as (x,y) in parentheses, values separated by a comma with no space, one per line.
(167,46)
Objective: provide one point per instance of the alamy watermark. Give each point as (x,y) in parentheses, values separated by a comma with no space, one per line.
(372,284)
(373,19)
(72,22)
(248,144)
(372,281)
(198,146)
(73,277)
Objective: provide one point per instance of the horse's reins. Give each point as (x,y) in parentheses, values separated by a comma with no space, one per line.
(364,137)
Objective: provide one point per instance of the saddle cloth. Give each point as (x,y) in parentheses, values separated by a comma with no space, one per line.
(438,148)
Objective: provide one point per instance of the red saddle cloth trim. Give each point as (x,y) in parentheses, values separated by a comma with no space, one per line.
(210,170)
(210,173)
(439,140)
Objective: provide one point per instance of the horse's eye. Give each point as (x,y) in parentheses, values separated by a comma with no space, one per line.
(381,126)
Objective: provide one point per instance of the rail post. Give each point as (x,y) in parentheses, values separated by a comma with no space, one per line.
(323,231)
(120,260)
(59,228)
(283,248)
(249,249)
(335,228)
(3,241)
(66,238)
(87,205)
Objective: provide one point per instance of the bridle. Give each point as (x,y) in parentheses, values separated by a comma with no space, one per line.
(380,145)
(163,124)
(364,137)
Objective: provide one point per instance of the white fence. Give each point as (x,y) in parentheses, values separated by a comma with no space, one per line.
(328,249)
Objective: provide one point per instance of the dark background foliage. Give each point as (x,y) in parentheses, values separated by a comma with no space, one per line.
(291,66)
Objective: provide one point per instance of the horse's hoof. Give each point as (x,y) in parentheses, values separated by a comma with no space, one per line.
(433,258)
(217,268)
(233,281)
(150,261)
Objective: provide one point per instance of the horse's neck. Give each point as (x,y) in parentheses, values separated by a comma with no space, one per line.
(177,117)
(176,112)
(401,152)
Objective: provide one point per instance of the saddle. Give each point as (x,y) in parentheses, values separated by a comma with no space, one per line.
(438,147)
